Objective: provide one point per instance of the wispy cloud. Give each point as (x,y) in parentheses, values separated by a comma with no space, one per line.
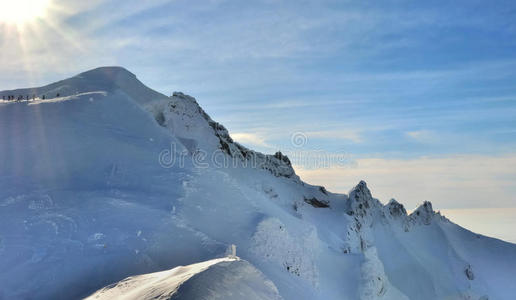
(352,135)
(422,135)
(251,139)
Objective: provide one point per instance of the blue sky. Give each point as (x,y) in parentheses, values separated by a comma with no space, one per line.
(419,95)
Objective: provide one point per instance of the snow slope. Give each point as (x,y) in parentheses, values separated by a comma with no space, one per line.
(112,179)
(222,278)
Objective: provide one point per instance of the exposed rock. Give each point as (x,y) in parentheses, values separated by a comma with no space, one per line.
(278,155)
(194,123)
(160,118)
(360,199)
(423,214)
(469,272)
(317,203)
(323,190)
(396,209)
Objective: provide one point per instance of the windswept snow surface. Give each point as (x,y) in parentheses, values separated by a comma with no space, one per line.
(222,278)
(112,179)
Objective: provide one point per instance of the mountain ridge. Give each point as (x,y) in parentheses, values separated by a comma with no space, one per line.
(84,184)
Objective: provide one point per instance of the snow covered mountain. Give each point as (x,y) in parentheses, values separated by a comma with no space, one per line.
(111,179)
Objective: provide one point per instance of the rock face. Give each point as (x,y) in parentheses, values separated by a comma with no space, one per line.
(423,214)
(360,200)
(469,272)
(363,205)
(317,203)
(211,140)
(396,209)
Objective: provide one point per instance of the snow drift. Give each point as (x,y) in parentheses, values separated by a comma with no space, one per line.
(112,179)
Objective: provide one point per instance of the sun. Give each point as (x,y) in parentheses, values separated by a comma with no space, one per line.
(19,12)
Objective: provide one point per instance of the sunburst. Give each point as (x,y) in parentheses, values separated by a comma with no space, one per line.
(32,36)
(20,12)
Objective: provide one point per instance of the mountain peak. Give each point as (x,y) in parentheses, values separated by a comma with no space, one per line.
(197,131)
(396,209)
(360,199)
(107,72)
(424,213)
(110,79)
(361,191)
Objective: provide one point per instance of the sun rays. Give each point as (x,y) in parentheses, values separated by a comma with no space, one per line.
(34,37)
(20,12)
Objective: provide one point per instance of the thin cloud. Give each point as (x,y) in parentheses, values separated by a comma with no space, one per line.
(251,139)
(461,181)
(424,136)
(350,135)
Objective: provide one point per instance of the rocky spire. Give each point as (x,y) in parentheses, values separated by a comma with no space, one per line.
(360,199)
(396,209)
(423,214)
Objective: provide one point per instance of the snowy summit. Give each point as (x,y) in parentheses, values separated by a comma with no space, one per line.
(110,190)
